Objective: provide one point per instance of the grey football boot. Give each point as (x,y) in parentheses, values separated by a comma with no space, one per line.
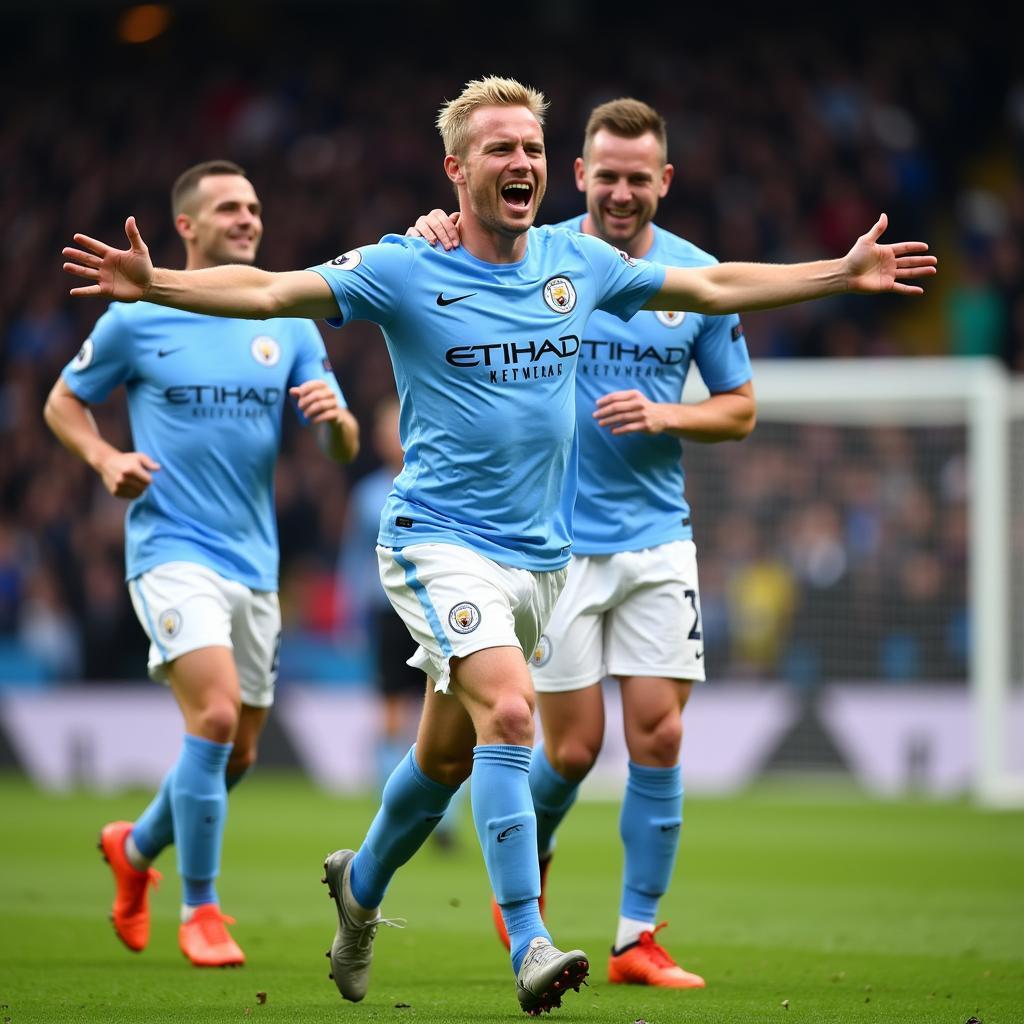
(351,951)
(546,974)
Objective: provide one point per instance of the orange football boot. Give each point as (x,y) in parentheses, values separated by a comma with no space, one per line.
(499,921)
(130,913)
(645,962)
(206,942)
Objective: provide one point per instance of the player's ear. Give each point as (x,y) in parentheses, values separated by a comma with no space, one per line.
(453,168)
(666,180)
(579,169)
(183,225)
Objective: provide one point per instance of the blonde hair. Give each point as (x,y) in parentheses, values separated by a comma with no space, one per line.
(628,119)
(453,117)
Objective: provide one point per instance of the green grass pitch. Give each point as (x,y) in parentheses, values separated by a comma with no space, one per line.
(797,904)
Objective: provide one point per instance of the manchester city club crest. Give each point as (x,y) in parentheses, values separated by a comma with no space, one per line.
(347,260)
(84,357)
(265,350)
(670,318)
(560,295)
(541,653)
(464,617)
(170,622)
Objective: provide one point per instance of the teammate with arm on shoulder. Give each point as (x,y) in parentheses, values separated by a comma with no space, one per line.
(205,400)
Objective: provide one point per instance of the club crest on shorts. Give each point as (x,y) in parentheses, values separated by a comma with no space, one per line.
(669,317)
(84,356)
(464,617)
(347,260)
(560,295)
(265,350)
(541,653)
(170,623)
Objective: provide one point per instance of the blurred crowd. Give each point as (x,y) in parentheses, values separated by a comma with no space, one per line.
(832,552)
(786,145)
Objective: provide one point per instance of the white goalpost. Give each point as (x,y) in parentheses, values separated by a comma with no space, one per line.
(968,416)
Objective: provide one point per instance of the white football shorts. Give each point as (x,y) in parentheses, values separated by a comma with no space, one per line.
(184,606)
(454,602)
(633,613)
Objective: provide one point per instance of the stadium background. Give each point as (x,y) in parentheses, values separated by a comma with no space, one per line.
(832,554)
(827,554)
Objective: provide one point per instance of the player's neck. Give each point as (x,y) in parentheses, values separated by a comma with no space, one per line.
(489,245)
(638,247)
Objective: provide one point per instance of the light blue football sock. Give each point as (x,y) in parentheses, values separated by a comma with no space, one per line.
(153,830)
(199,799)
(507,828)
(553,795)
(411,806)
(650,823)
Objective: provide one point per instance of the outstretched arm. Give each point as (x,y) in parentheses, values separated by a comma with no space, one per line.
(124,474)
(128,275)
(869,268)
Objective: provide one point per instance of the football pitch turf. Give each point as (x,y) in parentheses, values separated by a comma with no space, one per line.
(797,903)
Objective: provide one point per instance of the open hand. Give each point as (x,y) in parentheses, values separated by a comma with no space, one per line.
(122,274)
(873,268)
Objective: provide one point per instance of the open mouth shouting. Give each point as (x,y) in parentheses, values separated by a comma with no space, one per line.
(517,194)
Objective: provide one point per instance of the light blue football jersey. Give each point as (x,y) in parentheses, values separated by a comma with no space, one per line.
(631,486)
(205,400)
(485,363)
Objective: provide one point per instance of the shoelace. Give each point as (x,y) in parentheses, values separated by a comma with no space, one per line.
(368,929)
(544,953)
(212,926)
(655,951)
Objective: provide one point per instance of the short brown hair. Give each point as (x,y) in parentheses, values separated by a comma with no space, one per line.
(188,181)
(453,117)
(629,119)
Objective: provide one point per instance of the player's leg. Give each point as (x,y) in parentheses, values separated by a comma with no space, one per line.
(572,722)
(573,728)
(494,686)
(412,803)
(415,796)
(205,683)
(182,607)
(245,749)
(655,668)
(566,662)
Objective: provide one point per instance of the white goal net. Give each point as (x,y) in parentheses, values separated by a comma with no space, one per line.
(871,533)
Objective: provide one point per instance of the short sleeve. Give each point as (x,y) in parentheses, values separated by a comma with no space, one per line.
(624,284)
(368,283)
(721,354)
(105,359)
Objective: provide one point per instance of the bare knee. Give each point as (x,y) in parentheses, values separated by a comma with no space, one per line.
(447,767)
(659,745)
(218,721)
(510,720)
(573,756)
